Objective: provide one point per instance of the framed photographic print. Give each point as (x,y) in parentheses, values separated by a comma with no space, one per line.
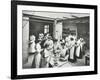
(53,39)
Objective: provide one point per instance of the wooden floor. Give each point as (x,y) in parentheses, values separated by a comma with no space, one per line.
(66,63)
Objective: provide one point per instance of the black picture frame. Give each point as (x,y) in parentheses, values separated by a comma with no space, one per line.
(14,52)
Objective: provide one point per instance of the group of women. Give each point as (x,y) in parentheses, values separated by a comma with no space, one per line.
(46,48)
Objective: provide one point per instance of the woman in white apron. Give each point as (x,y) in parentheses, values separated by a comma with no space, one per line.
(57,51)
(38,55)
(82,44)
(31,49)
(67,45)
(78,49)
(72,50)
(64,52)
(48,51)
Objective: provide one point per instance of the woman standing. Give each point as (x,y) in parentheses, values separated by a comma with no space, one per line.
(48,50)
(79,48)
(72,49)
(31,49)
(38,55)
(57,51)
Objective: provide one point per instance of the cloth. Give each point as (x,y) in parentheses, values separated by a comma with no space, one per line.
(30,58)
(49,48)
(72,49)
(48,44)
(37,60)
(32,47)
(78,48)
(57,47)
(72,52)
(38,47)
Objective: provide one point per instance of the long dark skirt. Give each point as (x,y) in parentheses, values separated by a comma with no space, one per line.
(74,57)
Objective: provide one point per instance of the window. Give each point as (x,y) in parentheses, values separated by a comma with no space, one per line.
(46,28)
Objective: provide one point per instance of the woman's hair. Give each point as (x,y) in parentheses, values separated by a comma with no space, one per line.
(71,39)
(32,37)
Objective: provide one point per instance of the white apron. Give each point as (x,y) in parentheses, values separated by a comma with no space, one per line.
(31,51)
(48,51)
(37,60)
(47,55)
(78,51)
(38,56)
(72,52)
(72,49)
